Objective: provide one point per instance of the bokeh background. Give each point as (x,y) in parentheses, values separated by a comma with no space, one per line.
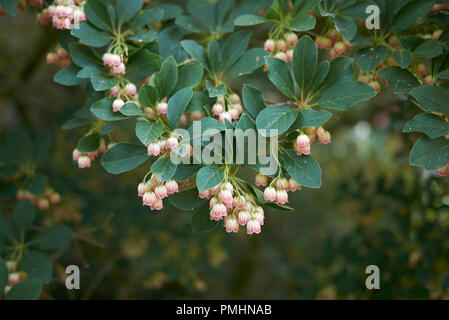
(373,208)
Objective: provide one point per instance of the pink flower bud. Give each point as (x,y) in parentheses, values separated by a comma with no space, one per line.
(115,91)
(234,98)
(291,38)
(294,185)
(158,204)
(43,204)
(13,278)
(148,198)
(212,201)
(269,194)
(261,180)
(52,58)
(183,120)
(117,105)
(141,189)
(218,211)
(302,141)
(253,226)
(172,143)
(281,196)
(131,89)
(281,55)
(213,190)
(269,45)
(225,197)
(79,16)
(76,155)
(163,145)
(281,45)
(229,186)
(161,108)
(235,115)
(161,192)
(225,116)
(231,224)
(290,55)
(221,100)
(244,217)
(259,215)
(217,109)
(203,194)
(154,149)
(84,162)
(239,202)
(172,186)
(149,111)
(121,69)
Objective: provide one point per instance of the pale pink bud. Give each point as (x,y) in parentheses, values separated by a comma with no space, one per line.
(76,155)
(149,198)
(117,105)
(253,226)
(234,98)
(154,149)
(161,192)
(234,113)
(281,45)
(183,120)
(158,204)
(281,196)
(13,278)
(131,89)
(107,59)
(218,211)
(225,197)
(221,100)
(294,185)
(116,60)
(281,55)
(269,45)
(290,55)
(291,38)
(141,189)
(121,69)
(149,111)
(239,202)
(172,143)
(212,201)
(161,108)
(163,145)
(244,217)
(78,16)
(302,141)
(269,194)
(172,186)
(204,194)
(225,116)
(213,190)
(84,162)
(217,109)
(231,224)
(52,58)
(115,91)
(229,186)
(43,204)
(261,180)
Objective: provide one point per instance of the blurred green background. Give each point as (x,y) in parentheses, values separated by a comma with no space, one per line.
(373,208)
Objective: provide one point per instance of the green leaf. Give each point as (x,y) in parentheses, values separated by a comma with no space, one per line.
(302,22)
(253,100)
(248,63)
(6,229)
(167,77)
(24,216)
(190,76)
(311,118)
(148,96)
(401,79)
(320,75)
(37,265)
(177,105)
(196,52)
(144,36)
(37,184)
(345,94)
(91,36)
(443,74)
(235,46)
(164,169)
(188,23)
(215,91)
(250,20)
(429,49)
(10,6)
(75,123)
(144,62)
(97,14)
(103,110)
(340,70)
(409,14)
(130,109)
(84,56)
(303,169)
(280,76)
(208,177)
(369,58)
(186,200)
(403,57)
(430,154)
(215,58)
(432,99)
(127,9)
(28,289)
(148,16)
(346,27)
(3,275)
(276,118)
(124,157)
(305,57)
(200,221)
(432,125)
(89,143)
(102,82)
(67,76)
(148,131)
(53,238)
(202,11)
(186,171)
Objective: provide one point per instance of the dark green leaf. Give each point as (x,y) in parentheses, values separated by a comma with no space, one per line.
(250,20)
(430,154)
(196,52)
(97,14)
(187,200)
(429,49)
(91,36)
(177,105)
(432,125)
(253,100)
(403,57)
(303,169)
(89,143)
(102,82)
(345,94)
(127,9)
(279,119)
(248,63)
(280,76)
(54,238)
(124,157)
(167,77)
(200,221)
(148,96)
(24,216)
(37,184)
(208,177)
(346,27)
(190,76)
(305,57)
(302,22)
(36,265)
(432,99)
(401,79)
(67,76)
(131,110)
(409,14)
(215,91)
(164,169)
(370,57)
(28,289)
(103,110)
(148,131)
(144,62)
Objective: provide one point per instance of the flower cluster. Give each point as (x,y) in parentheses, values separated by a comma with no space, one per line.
(115,62)
(279,194)
(43,202)
(14,276)
(59,56)
(334,42)
(85,159)
(128,94)
(227,108)
(64,14)
(162,145)
(282,48)
(235,209)
(304,140)
(153,192)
